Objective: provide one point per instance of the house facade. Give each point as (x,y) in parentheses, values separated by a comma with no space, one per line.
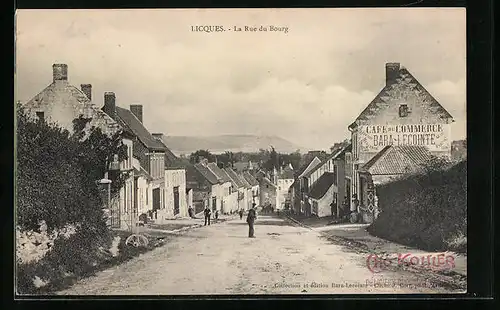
(255,196)
(268,191)
(149,152)
(242,198)
(59,104)
(322,195)
(225,188)
(284,182)
(178,195)
(404,113)
(211,184)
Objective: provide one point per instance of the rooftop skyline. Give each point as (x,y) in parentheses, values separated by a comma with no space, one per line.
(306,85)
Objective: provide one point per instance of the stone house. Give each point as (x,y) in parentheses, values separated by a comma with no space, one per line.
(149,152)
(225,188)
(255,187)
(242,200)
(59,104)
(248,195)
(304,185)
(210,184)
(335,164)
(284,182)
(232,199)
(178,195)
(403,113)
(388,165)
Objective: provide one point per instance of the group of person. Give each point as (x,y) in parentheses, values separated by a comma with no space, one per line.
(251,217)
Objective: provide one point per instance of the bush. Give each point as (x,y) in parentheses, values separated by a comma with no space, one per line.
(56,177)
(426,210)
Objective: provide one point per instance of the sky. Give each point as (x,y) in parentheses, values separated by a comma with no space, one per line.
(306,85)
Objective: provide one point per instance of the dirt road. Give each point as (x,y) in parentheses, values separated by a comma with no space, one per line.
(221,259)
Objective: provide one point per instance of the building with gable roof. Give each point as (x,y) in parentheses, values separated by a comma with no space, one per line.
(178,195)
(255,187)
(225,188)
(59,104)
(403,113)
(284,182)
(210,182)
(243,189)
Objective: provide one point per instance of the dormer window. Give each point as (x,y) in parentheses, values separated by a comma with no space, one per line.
(403,110)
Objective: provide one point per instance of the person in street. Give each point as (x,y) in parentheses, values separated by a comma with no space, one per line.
(241,214)
(190,212)
(216,214)
(207,213)
(251,217)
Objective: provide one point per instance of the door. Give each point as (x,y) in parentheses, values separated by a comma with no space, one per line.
(156,199)
(176,200)
(214,203)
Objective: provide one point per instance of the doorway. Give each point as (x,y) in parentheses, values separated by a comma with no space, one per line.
(176,200)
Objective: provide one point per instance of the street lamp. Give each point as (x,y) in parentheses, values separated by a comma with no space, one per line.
(112,166)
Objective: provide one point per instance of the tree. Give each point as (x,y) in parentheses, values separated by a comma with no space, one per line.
(274,160)
(196,156)
(227,159)
(57,173)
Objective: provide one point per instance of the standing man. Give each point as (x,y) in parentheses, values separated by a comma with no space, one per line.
(207,213)
(241,214)
(251,217)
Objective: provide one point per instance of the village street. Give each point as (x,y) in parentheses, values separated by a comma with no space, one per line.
(221,259)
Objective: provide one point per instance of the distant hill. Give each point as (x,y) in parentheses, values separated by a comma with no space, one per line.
(233,143)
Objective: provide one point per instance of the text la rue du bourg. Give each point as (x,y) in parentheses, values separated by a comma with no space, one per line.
(209,29)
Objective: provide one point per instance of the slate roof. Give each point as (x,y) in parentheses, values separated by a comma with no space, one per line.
(397,160)
(250,179)
(334,155)
(233,183)
(314,162)
(407,80)
(218,172)
(207,174)
(244,181)
(234,177)
(62,91)
(128,120)
(321,186)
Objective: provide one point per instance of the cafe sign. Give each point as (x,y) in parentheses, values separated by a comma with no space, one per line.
(373,138)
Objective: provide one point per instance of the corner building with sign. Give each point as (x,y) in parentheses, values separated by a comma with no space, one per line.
(403,116)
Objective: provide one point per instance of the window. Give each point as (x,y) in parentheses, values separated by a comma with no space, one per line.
(41,116)
(403,110)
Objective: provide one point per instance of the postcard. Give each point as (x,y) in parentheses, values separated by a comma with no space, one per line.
(224,152)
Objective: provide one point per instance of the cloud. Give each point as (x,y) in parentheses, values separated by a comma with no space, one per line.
(306,85)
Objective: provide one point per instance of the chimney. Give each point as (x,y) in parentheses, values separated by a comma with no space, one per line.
(110,104)
(391,72)
(136,109)
(87,90)
(60,72)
